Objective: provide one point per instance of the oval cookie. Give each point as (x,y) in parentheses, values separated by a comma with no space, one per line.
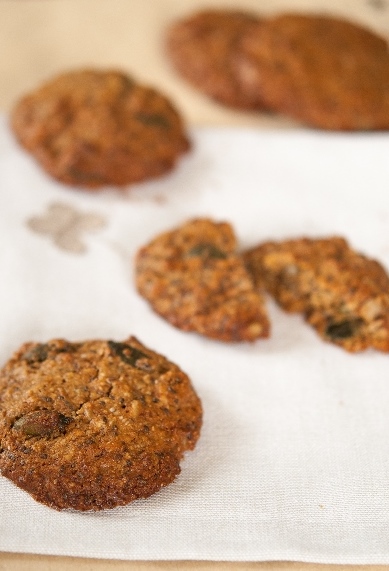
(92,128)
(94,425)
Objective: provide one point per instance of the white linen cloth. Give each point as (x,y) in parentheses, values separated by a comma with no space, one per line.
(293,460)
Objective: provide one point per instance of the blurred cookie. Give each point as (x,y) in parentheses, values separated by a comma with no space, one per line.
(193,277)
(93,128)
(94,425)
(324,71)
(343,294)
(205,49)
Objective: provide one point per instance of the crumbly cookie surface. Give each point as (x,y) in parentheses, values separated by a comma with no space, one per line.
(94,425)
(93,128)
(324,71)
(205,49)
(343,294)
(193,277)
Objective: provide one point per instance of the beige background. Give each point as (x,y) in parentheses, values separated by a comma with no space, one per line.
(39,38)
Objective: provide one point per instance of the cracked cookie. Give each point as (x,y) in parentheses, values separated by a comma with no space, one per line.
(324,71)
(94,425)
(92,128)
(343,294)
(193,277)
(205,49)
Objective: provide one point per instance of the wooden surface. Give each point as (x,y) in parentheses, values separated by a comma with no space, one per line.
(40,38)
(17,562)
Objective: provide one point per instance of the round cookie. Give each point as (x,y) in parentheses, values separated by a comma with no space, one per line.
(193,277)
(94,425)
(93,128)
(324,71)
(205,49)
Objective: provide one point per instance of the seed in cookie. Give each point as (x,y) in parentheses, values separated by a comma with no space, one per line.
(205,49)
(324,71)
(92,128)
(343,294)
(193,277)
(96,424)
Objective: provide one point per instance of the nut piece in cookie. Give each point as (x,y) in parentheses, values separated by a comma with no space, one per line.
(193,277)
(205,49)
(94,425)
(324,71)
(93,128)
(343,294)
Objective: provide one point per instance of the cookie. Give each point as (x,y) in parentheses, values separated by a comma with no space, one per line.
(205,49)
(96,424)
(93,128)
(193,277)
(327,72)
(343,294)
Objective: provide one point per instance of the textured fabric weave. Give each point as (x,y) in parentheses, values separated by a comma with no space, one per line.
(293,461)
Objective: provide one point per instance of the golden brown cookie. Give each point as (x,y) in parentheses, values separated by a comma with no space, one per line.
(205,49)
(193,277)
(94,425)
(93,128)
(343,294)
(324,71)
